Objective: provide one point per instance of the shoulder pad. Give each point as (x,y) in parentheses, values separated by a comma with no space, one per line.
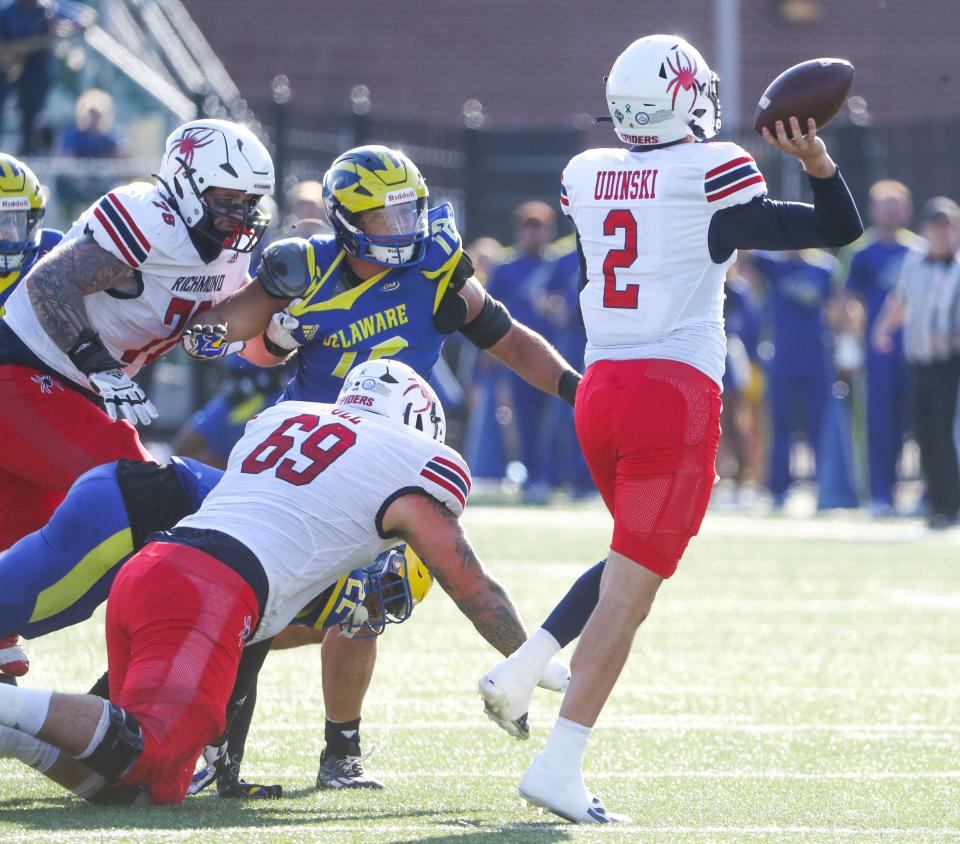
(284,271)
(445,241)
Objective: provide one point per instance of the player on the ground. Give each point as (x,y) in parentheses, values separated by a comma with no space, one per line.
(23,239)
(392,280)
(658,225)
(116,293)
(310,492)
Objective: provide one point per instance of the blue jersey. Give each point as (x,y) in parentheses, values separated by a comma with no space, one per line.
(344,323)
(874,270)
(799,286)
(48,239)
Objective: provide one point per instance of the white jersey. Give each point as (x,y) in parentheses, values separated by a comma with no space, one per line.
(653,291)
(306,488)
(173,284)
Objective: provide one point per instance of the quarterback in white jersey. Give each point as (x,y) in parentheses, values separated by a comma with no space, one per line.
(117,292)
(658,225)
(310,492)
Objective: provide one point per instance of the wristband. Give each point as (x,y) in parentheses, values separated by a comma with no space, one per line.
(567,389)
(89,355)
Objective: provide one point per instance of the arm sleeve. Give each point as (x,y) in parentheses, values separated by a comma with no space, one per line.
(763,223)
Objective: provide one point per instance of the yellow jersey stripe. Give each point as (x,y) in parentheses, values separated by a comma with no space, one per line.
(317,283)
(83,575)
(445,273)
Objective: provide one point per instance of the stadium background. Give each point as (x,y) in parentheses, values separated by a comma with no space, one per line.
(489,99)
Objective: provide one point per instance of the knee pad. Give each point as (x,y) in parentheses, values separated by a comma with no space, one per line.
(120,747)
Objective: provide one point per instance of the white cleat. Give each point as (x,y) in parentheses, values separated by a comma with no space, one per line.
(564,794)
(506,690)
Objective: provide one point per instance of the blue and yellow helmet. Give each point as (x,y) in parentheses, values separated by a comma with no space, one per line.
(396,582)
(376,201)
(21,213)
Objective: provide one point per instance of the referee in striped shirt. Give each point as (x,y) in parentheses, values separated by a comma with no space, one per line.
(926,301)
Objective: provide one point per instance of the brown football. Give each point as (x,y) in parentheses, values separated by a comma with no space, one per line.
(817,88)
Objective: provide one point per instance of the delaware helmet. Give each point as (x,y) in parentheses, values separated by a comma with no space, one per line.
(376,201)
(21,214)
(392,390)
(395,583)
(660,90)
(206,154)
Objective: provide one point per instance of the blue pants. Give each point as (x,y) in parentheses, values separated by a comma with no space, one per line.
(888,396)
(797,396)
(60,574)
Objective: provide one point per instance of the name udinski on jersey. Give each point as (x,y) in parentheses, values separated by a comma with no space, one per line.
(199,283)
(626,184)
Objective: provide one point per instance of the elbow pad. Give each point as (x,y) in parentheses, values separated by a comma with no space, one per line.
(283,270)
(490,326)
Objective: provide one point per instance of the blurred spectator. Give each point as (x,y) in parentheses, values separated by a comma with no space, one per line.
(741,377)
(871,276)
(561,457)
(26,35)
(798,285)
(91,136)
(486,253)
(926,301)
(522,284)
(307,216)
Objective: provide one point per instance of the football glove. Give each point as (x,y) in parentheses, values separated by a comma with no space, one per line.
(208,342)
(278,338)
(122,395)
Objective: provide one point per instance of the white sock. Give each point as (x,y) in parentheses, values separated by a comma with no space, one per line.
(567,743)
(31,751)
(98,733)
(536,652)
(24,709)
(90,787)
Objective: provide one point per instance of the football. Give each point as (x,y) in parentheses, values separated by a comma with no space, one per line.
(817,88)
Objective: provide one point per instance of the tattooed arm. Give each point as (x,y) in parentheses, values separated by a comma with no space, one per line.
(435,534)
(58,282)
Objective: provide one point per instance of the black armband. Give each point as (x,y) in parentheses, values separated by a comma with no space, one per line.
(90,355)
(567,388)
(273,348)
(490,326)
(283,270)
(462,273)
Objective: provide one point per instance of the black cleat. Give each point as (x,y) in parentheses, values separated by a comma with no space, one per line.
(344,771)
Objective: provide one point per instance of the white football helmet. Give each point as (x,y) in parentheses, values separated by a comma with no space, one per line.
(393,390)
(206,154)
(660,90)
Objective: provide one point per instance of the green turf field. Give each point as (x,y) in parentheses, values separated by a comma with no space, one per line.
(798,680)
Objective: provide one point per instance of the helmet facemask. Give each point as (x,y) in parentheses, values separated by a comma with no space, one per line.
(392,236)
(20,232)
(387,597)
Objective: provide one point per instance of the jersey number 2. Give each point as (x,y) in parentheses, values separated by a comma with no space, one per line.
(321,448)
(616,259)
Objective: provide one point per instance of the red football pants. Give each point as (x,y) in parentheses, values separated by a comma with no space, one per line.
(49,435)
(649,431)
(177,620)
